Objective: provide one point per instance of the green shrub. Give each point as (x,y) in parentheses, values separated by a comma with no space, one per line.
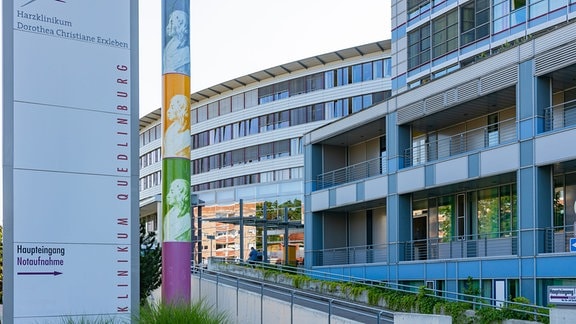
(197,313)
(150,263)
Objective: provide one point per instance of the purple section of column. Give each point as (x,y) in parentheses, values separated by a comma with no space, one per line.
(176,283)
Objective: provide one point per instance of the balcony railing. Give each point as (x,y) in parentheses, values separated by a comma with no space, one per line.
(352,255)
(479,138)
(557,239)
(560,116)
(471,246)
(351,173)
(468,246)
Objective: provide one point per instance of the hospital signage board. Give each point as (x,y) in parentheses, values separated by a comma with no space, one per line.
(562,295)
(70,158)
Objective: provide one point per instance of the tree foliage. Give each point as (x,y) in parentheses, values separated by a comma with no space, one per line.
(150,263)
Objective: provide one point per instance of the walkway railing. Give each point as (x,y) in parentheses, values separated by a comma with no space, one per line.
(491,135)
(295,299)
(351,173)
(230,274)
(560,116)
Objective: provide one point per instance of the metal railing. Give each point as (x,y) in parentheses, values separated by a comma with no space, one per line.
(560,116)
(557,239)
(352,255)
(465,246)
(351,173)
(335,307)
(476,139)
(331,303)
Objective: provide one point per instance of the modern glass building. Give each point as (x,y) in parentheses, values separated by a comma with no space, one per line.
(247,136)
(468,169)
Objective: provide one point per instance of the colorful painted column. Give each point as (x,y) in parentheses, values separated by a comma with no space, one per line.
(176,209)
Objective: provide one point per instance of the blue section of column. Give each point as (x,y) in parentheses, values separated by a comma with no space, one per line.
(313,231)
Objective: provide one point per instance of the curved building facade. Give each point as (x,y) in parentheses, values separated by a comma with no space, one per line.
(247,136)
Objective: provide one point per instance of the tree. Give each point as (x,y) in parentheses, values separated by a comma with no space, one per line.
(150,263)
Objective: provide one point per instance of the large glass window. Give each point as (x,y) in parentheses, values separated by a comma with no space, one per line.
(500,15)
(445,34)
(415,7)
(419,47)
(538,8)
(445,218)
(356,104)
(497,211)
(559,203)
(488,208)
(378,69)
(357,73)
(475,21)
(367,71)
(329,79)
(518,14)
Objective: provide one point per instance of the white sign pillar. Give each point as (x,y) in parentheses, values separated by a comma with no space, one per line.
(70,160)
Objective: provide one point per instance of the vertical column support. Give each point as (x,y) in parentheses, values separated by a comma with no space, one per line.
(242,229)
(265,234)
(176,143)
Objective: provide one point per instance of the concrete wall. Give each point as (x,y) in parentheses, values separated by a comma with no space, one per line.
(562,315)
(243,306)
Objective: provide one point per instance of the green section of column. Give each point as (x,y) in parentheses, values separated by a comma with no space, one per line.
(177,221)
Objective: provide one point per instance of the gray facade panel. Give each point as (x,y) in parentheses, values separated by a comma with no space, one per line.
(430,175)
(526,153)
(524,91)
(474,165)
(360,191)
(332,201)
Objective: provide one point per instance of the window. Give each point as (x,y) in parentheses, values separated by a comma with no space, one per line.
(493,134)
(297,86)
(202,113)
(378,69)
(298,116)
(419,47)
(316,112)
(415,7)
(357,73)
(213,110)
(387,67)
(265,94)
(356,104)
(367,71)
(315,82)
(238,102)
(329,79)
(342,76)
(445,34)
(225,106)
(475,21)
(516,4)
(518,14)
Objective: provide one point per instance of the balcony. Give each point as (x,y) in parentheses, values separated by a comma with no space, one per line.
(352,173)
(560,116)
(468,246)
(475,139)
